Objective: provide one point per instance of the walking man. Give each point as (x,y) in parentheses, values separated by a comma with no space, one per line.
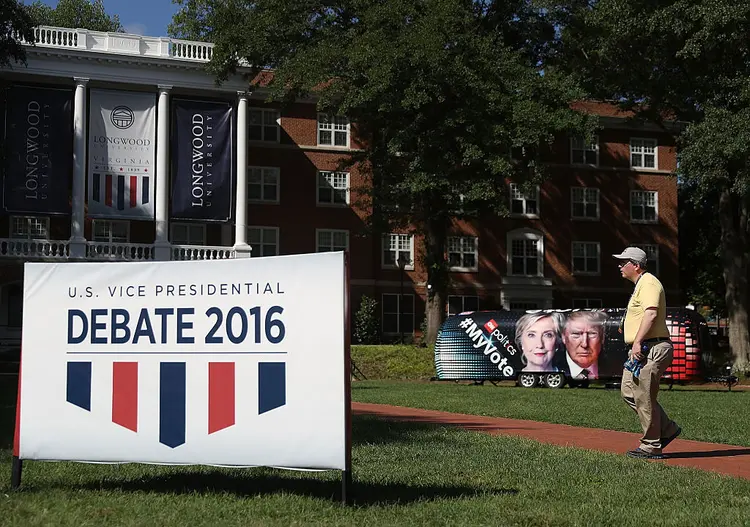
(645,330)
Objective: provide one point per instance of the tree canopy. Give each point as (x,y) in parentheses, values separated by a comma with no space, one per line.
(16,25)
(85,14)
(686,59)
(441,92)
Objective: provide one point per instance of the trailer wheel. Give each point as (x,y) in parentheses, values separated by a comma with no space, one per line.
(527,380)
(555,380)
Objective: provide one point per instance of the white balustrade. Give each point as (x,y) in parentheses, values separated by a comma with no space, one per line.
(119,251)
(201,252)
(104,251)
(34,249)
(122,44)
(184,49)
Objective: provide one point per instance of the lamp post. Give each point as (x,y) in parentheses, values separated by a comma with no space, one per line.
(403,261)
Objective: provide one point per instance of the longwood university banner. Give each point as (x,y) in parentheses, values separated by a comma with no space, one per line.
(233,362)
(38,150)
(202,153)
(121,154)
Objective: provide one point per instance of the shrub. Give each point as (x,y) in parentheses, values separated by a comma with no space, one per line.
(366,322)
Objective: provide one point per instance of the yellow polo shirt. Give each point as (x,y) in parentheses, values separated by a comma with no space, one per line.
(648,293)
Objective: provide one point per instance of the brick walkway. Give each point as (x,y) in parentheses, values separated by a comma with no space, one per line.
(726,459)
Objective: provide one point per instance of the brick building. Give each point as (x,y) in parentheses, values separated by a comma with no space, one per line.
(553,251)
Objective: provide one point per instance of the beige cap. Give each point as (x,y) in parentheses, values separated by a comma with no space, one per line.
(633,253)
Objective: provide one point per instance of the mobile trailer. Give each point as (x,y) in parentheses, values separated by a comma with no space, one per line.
(483,346)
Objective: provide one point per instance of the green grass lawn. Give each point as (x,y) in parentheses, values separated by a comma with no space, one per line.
(716,416)
(405,474)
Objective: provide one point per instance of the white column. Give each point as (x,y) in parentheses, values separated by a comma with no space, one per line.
(162,250)
(77,238)
(242,249)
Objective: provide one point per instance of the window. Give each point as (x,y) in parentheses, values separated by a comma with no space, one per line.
(29,228)
(460,304)
(643,153)
(526,254)
(644,206)
(587,303)
(333,188)
(109,231)
(398,314)
(395,247)
(652,252)
(263,125)
(585,258)
(582,153)
(523,205)
(462,253)
(333,131)
(332,240)
(263,184)
(525,305)
(188,234)
(263,240)
(584,203)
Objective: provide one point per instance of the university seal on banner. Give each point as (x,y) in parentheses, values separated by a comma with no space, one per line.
(122,117)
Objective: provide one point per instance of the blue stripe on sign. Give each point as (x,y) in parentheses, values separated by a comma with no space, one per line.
(79,384)
(271,386)
(120,192)
(144,188)
(95,189)
(172,404)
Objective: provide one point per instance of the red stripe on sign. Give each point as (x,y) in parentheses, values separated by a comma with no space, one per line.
(133,191)
(17,432)
(220,396)
(125,394)
(108,190)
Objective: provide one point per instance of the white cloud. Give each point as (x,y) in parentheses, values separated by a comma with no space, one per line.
(135,28)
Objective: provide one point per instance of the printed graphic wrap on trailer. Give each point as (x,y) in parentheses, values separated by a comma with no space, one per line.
(581,344)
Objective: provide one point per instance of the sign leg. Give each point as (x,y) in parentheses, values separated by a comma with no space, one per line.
(16,467)
(346,484)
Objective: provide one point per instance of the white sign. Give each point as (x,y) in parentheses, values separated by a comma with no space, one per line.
(233,362)
(122,142)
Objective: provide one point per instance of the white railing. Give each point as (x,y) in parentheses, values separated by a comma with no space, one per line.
(201,252)
(34,249)
(104,251)
(122,44)
(185,49)
(119,251)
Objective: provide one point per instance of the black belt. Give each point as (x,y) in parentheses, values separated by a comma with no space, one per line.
(656,339)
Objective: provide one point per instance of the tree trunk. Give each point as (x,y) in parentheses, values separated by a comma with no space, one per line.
(733,216)
(437,277)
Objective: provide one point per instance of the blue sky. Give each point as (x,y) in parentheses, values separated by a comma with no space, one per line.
(142,17)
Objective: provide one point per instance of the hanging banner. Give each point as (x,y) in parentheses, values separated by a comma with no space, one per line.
(202,153)
(38,150)
(122,145)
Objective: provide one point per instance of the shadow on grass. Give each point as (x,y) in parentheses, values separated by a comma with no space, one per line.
(361,494)
(710,453)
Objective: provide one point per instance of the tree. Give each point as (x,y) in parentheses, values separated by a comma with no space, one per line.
(16,25)
(686,59)
(85,14)
(700,254)
(440,91)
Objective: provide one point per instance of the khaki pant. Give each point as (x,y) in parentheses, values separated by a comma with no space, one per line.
(641,393)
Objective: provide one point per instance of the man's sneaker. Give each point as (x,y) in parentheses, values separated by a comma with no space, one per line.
(666,440)
(642,454)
